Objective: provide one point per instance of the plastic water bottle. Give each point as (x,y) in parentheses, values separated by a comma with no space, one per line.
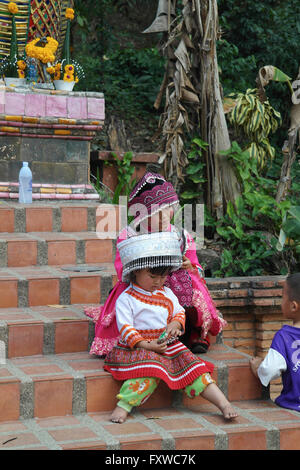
(25,184)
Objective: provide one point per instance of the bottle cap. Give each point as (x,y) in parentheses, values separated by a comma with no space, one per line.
(25,163)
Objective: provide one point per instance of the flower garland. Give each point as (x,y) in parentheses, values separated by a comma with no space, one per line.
(44,54)
(13,8)
(21,68)
(70,13)
(68,69)
(11,66)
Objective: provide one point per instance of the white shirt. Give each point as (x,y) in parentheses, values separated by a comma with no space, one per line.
(271,367)
(143,315)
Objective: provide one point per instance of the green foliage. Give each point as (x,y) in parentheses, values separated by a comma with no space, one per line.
(290,230)
(124,173)
(129,76)
(257,34)
(194,171)
(250,228)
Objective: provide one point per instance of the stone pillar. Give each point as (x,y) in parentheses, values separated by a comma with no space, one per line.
(52,130)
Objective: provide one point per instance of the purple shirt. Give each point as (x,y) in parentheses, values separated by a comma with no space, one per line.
(287,343)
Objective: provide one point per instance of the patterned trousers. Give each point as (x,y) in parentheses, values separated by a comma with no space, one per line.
(135,392)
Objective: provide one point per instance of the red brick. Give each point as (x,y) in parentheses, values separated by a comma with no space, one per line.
(101,393)
(191,440)
(141,442)
(85,290)
(7,220)
(71,336)
(8,293)
(98,251)
(38,219)
(289,436)
(25,340)
(267,292)
(248,438)
(53,397)
(10,400)
(242,385)
(73,219)
(43,292)
(61,252)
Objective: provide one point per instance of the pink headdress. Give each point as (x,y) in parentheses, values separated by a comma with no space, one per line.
(153,193)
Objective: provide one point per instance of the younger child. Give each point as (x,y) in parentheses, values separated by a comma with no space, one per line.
(153,201)
(145,311)
(283,357)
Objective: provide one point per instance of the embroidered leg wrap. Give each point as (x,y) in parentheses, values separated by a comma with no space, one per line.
(199,385)
(135,392)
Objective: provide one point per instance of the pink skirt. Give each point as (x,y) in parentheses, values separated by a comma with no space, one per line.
(178,367)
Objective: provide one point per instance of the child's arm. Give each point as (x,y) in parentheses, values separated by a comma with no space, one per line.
(124,317)
(270,368)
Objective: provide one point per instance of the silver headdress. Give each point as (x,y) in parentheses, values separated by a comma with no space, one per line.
(149,251)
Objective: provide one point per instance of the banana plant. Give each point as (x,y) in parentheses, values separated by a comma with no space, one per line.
(257,120)
(253,114)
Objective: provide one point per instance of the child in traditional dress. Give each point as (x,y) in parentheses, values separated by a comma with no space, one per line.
(150,319)
(283,358)
(152,202)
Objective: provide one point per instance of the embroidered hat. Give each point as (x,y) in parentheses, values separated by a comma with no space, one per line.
(150,251)
(150,195)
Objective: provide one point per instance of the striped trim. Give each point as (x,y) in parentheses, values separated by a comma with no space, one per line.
(177,367)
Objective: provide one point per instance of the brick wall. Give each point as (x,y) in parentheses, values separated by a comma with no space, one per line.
(252,308)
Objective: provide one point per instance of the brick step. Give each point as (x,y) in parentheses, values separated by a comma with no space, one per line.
(43,285)
(72,383)
(53,248)
(49,216)
(45,330)
(261,425)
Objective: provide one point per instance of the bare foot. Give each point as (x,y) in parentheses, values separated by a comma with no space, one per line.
(119,415)
(229,412)
(255,363)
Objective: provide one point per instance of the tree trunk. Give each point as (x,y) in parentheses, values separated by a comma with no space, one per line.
(193,97)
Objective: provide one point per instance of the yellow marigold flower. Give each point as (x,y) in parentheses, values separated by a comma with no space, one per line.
(76,80)
(57,76)
(68,77)
(21,64)
(70,13)
(44,54)
(50,70)
(69,68)
(58,67)
(12,8)
(21,73)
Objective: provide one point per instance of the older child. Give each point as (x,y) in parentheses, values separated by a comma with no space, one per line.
(152,202)
(283,358)
(145,311)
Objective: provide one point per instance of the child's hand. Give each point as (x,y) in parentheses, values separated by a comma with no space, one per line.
(186,263)
(154,346)
(174,329)
(255,362)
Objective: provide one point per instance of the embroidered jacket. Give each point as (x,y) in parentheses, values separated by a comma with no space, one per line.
(143,315)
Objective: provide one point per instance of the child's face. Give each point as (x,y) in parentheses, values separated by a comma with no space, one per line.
(160,221)
(290,308)
(148,281)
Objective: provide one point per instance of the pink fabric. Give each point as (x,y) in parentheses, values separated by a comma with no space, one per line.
(208,317)
(106,330)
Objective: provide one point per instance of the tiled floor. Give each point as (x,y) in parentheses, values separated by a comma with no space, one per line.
(261,425)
